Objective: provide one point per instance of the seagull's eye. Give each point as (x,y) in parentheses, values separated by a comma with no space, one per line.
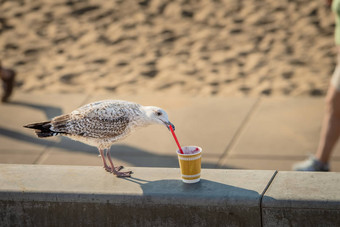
(158,113)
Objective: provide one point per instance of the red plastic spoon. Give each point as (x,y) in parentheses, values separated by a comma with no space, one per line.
(173,134)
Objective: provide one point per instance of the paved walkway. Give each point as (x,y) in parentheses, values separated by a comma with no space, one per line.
(240,133)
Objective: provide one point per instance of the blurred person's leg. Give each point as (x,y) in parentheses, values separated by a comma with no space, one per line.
(330,130)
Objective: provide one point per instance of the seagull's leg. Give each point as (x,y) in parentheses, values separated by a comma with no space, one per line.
(106,167)
(110,160)
(116,170)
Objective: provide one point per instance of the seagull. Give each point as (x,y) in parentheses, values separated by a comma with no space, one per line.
(101,124)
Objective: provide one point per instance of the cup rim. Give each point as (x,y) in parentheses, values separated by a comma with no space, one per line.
(200,151)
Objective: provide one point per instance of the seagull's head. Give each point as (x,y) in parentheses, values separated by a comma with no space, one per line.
(157,115)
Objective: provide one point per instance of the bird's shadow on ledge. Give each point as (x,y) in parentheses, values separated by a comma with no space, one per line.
(206,189)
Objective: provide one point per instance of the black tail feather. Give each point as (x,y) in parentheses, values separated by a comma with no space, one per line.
(42,129)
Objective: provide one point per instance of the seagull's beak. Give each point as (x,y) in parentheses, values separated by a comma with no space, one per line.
(168,124)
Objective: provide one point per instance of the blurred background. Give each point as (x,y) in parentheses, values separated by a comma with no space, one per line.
(223,48)
(240,59)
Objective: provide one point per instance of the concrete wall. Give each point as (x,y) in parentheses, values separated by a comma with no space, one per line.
(41,195)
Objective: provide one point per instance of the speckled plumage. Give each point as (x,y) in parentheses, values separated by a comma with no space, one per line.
(101,123)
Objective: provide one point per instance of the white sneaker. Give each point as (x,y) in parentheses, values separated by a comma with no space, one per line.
(311,164)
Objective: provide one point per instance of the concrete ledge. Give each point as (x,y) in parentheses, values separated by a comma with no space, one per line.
(73,195)
(302,199)
(42,195)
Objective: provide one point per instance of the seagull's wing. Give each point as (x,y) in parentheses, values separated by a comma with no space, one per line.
(97,120)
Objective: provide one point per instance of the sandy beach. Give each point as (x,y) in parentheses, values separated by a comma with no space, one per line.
(220,48)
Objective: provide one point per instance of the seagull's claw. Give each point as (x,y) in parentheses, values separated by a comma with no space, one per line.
(123,174)
(109,169)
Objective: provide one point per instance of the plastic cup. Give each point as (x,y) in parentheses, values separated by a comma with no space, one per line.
(190,164)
